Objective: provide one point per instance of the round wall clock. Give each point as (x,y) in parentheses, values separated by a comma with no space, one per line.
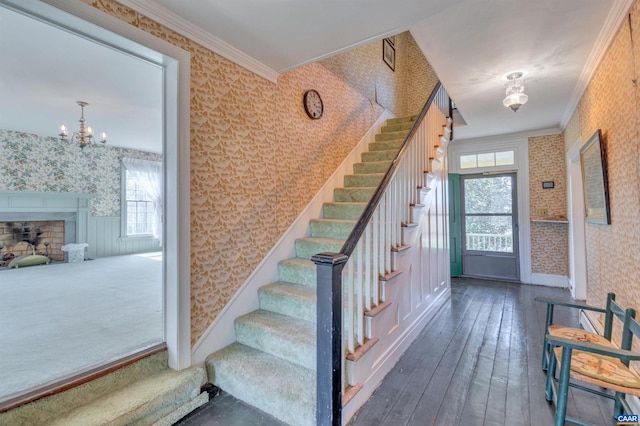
(313,104)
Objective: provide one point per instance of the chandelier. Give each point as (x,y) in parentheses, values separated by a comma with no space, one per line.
(84,136)
(515,92)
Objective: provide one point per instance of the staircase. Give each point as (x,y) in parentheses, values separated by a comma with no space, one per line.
(272,364)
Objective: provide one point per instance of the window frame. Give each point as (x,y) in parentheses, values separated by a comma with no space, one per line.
(124,235)
(124,226)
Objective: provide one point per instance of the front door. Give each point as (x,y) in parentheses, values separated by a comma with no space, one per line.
(490,226)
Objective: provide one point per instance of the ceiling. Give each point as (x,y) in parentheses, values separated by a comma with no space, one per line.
(471,44)
(45,70)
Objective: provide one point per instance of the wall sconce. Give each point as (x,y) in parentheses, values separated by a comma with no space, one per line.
(515,92)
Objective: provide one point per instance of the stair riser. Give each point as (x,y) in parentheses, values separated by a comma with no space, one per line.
(385,146)
(295,307)
(331,230)
(305,249)
(378,156)
(359,181)
(302,353)
(357,195)
(365,168)
(342,211)
(294,274)
(286,393)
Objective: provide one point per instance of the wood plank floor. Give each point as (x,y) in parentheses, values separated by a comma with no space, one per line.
(477,363)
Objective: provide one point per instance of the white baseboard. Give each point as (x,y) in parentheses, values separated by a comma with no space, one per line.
(221,331)
(550,280)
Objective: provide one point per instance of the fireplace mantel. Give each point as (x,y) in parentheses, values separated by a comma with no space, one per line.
(72,207)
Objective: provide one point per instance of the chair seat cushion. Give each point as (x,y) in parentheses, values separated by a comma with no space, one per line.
(604,369)
(579,334)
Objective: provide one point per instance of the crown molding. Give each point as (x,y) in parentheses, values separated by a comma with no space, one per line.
(612,24)
(508,137)
(174,22)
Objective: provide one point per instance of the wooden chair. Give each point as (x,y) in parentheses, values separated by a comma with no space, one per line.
(559,330)
(601,365)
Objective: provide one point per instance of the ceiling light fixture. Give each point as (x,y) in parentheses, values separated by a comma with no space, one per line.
(84,136)
(515,92)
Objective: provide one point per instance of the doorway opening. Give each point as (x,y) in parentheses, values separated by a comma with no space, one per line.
(489,221)
(172,299)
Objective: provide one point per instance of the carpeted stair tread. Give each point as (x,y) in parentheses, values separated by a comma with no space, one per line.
(347,211)
(371,167)
(141,403)
(368,180)
(294,300)
(332,228)
(292,339)
(386,145)
(300,271)
(84,404)
(310,246)
(401,120)
(357,194)
(283,389)
(378,155)
(390,136)
(397,127)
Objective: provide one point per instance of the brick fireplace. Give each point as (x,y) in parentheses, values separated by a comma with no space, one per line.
(29,219)
(42,237)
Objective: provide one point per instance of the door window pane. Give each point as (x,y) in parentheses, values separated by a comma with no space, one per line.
(488,195)
(489,233)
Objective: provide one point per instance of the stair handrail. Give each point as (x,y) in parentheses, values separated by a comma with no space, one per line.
(351,242)
(329,267)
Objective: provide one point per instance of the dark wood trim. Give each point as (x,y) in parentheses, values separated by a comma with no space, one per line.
(329,268)
(79,378)
(361,350)
(390,276)
(408,225)
(350,392)
(377,309)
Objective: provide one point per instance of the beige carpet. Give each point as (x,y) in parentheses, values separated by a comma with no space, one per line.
(56,319)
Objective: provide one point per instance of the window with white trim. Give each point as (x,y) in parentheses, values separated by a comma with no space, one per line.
(487,159)
(139,207)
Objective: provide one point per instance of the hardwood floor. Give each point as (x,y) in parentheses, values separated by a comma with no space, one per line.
(477,363)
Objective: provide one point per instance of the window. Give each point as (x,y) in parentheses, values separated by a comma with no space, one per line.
(487,159)
(140,209)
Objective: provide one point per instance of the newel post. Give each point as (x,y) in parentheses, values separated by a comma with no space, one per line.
(329,338)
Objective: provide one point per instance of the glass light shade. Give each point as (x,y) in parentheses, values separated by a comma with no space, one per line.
(515,101)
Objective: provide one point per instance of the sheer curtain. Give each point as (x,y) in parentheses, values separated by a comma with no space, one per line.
(148,174)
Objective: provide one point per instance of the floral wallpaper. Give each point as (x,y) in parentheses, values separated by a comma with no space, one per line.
(30,162)
(549,241)
(256,158)
(608,103)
